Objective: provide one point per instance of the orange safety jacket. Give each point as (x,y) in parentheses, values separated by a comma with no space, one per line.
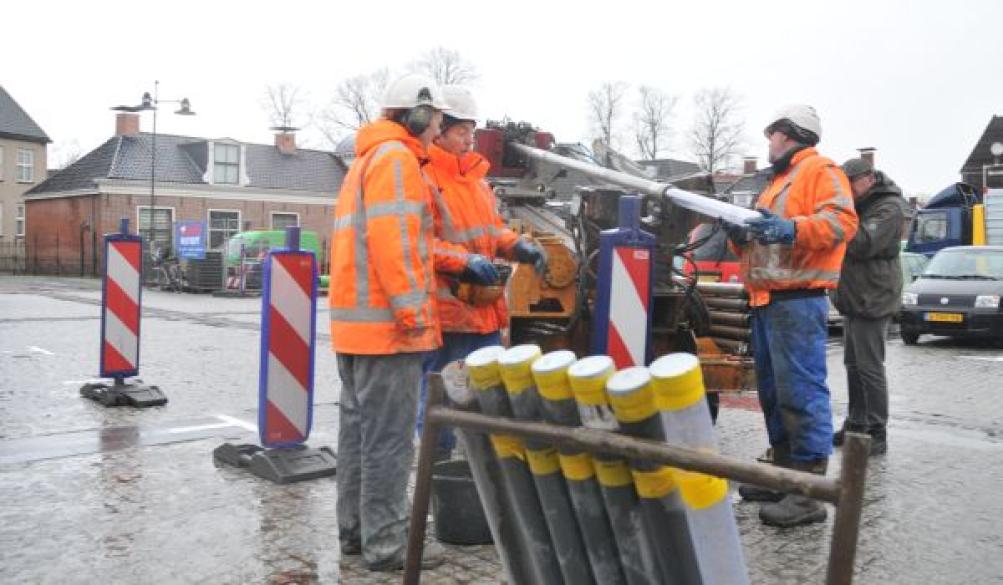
(382,283)
(467,216)
(815,193)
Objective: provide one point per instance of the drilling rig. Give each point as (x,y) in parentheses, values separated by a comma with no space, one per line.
(555,309)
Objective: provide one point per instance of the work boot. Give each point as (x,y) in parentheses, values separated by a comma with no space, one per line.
(839,437)
(795,509)
(432,555)
(778,456)
(879,442)
(351,548)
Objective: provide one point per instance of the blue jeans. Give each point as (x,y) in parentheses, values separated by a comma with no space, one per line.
(455,346)
(788,343)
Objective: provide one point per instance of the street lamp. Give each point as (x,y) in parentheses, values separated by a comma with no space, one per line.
(996,149)
(151,102)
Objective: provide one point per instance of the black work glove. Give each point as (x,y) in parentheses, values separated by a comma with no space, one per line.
(526,252)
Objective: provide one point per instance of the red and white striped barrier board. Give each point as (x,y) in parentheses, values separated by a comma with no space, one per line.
(624,290)
(121,302)
(628,306)
(288,316)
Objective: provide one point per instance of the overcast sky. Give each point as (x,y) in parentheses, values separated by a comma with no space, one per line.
(917,80)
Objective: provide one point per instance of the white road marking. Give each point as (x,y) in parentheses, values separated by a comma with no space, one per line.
(221,425)
(982,358)
(36,349)
(237,422)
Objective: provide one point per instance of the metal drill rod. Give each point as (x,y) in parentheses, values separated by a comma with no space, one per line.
(705,205)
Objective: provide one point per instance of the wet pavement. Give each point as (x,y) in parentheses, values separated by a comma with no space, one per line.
(123,496)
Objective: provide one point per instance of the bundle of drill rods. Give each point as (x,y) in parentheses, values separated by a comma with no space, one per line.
(728,307)
(569,516)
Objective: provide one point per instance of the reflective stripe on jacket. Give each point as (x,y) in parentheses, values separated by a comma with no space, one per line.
(382,283)
(816,194)
(467,216)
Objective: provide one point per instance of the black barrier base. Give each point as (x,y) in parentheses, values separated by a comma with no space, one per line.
(287,465)
(236,294)
(122,394)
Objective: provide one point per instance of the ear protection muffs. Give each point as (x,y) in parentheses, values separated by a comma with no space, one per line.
(418,118)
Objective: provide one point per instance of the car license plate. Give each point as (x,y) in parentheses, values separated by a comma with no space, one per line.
(945,317)
(708,278)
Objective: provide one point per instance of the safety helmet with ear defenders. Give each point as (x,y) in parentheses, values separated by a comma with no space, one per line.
(420,96)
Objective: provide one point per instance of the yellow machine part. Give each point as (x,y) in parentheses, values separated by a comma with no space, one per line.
(549,296)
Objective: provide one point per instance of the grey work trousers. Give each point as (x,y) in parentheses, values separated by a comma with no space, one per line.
(864,358)
(379,400)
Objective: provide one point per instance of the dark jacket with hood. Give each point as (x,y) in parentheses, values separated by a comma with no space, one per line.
(870,283)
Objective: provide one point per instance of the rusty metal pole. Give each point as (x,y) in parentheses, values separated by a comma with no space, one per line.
(422,490)
(846,525)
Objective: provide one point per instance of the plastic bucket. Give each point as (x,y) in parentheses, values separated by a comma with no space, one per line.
(459,517)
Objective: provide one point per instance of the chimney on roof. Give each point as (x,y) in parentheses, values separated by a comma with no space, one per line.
(126,123)
(749,165)
(285,139)
(867,154)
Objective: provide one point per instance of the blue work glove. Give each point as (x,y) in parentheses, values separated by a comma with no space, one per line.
(480,270)
(771,228)
(526,252)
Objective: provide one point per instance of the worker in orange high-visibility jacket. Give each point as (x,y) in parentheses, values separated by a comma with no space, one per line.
(466,216)
(383,316)
(789,258)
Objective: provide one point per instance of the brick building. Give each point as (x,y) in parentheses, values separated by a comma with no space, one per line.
(230,185)
(23,147)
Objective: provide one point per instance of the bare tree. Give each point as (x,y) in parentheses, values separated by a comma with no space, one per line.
(717,131)
(284,103)
(446,67)
(605,110)
(651,121)
(356,102)
(66,153)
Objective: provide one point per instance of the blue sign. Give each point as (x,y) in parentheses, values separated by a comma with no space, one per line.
(190,240)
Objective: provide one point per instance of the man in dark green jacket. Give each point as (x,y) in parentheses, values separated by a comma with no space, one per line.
(869,293)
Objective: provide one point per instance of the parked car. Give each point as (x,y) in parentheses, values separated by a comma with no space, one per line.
(958,294)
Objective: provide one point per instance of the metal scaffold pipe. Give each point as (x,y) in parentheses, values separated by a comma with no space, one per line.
(710,207)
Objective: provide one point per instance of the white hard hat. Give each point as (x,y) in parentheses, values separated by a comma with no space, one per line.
(461,102)
(801,115)
(413,90)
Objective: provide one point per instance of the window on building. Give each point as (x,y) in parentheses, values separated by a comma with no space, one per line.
(25,165)
(163,227)
(222,225)
(281,221)
(226,159)
(19,222)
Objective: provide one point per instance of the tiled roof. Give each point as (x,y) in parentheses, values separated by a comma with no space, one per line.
(16,123)
(667,168)
(182,159)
